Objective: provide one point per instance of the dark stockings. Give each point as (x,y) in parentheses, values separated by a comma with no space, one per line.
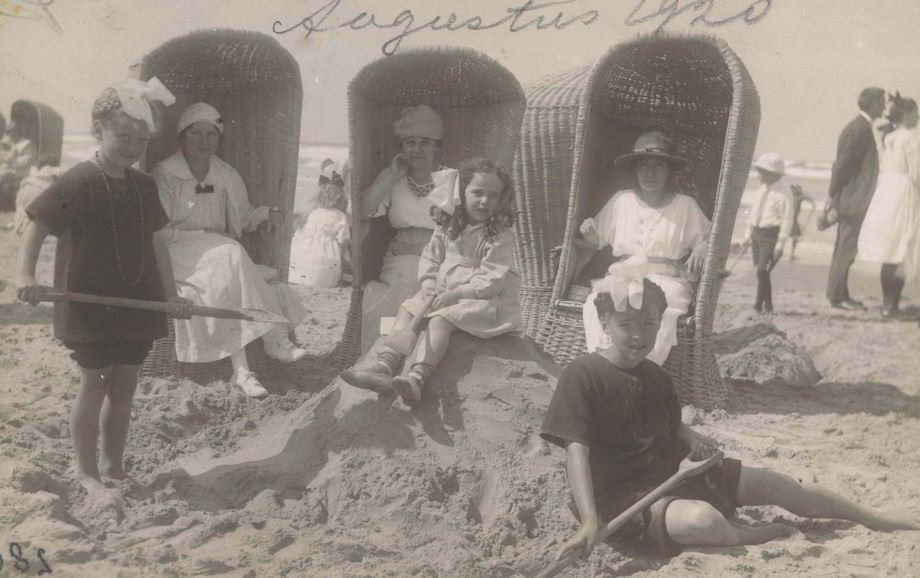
(891,288)
(764,292)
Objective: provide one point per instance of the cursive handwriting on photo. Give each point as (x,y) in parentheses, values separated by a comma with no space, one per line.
(549,15)
(530,14)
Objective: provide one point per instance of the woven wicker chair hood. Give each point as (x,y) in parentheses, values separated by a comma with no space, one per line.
(481,105)
(691,87)
(42,125)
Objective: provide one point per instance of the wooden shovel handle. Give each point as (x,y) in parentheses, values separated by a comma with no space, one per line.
(54,294)
(686,470)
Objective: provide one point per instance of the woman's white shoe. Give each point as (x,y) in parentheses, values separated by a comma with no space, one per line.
(250,384)
(278,346)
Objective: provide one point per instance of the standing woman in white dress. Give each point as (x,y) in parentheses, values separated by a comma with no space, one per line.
(890,227)
(404,192)
(208,209)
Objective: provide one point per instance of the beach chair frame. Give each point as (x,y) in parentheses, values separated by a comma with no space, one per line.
(695,89)
(481,104)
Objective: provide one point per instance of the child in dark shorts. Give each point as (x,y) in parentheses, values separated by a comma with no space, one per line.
(107,217)
(618,417)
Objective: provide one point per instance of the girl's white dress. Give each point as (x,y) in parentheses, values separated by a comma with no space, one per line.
(209,266)
(893,212)
(316,249)
(667,233)
(474,264)
(398,280)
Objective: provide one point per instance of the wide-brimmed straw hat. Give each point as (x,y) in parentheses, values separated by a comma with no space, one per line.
(654,144)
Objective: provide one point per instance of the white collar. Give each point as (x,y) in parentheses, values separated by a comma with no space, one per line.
(867,117)
(176,165)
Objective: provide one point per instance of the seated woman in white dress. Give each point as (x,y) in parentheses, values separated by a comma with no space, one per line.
(208,208)
(403,192)
(652,230)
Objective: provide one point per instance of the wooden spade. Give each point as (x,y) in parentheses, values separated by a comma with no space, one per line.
(258,315)
(686,470)
(403,340)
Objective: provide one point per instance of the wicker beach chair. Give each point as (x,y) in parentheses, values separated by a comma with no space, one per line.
(481,104)
(694,88)
(43,126)
(256,86)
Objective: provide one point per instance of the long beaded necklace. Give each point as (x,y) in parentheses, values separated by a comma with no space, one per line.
(140,207)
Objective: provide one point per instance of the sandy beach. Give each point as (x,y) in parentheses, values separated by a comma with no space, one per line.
(321,479)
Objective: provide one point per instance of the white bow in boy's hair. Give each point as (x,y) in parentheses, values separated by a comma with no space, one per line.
(446,192)
(136,95)
(624,282)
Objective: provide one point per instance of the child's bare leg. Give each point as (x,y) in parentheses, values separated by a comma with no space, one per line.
(697,523)
(430,349)
(116,417)
(84,425)
(403,319)
(434,341)
(765,487)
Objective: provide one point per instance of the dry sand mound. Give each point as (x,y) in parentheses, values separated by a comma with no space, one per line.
(460,486)
(764,354)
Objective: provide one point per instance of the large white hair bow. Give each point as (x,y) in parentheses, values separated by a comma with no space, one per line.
(136,95)
(624,282)
(446,192)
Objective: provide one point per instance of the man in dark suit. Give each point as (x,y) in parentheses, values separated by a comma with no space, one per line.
(852,184)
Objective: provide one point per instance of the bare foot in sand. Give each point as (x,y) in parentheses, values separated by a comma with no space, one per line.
(102,503)
(762,534)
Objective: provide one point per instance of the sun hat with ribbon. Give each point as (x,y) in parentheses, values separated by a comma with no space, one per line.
(199,112)
(419,121)
(628,284)
(136,95)
(653,144)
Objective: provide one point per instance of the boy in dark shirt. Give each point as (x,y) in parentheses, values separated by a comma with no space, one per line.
(618,417)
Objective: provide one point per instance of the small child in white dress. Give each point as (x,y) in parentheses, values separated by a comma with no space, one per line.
(316,249)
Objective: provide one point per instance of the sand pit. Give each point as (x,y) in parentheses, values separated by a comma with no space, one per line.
(321,479)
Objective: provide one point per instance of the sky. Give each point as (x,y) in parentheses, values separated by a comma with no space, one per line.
(808,58)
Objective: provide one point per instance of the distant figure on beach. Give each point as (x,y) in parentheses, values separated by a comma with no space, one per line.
(799,198)
(17,155)
(853,180)
(317,248)
(208,208)
(892,218)
(40,177)
(769,225)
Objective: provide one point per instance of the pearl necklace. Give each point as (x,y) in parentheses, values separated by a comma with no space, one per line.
(140,206)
